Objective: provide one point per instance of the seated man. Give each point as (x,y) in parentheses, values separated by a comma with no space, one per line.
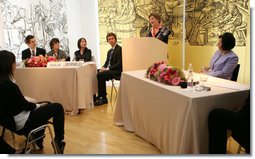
(56,51)
(221,120)
(32,50)
(111,69)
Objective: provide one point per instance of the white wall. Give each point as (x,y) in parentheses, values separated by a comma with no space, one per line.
(82,19)
(2,45)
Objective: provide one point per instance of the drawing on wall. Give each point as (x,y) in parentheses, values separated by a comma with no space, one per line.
(44,19)
(129,18)
(206,20)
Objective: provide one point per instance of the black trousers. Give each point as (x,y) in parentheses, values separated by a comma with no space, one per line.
(104,76)
(41,116)
(5,148)
(221,120)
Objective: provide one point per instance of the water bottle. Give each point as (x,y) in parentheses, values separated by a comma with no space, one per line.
(190,76)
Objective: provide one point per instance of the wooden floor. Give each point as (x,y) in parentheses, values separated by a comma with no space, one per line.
(93,132)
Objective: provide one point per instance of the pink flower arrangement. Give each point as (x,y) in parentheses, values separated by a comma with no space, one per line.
(163,73)
(39,61)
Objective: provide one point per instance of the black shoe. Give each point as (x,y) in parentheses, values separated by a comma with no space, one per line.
(101,101)
(96,98)
(60,145)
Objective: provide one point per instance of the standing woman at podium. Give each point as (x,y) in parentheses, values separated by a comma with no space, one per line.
(157,30)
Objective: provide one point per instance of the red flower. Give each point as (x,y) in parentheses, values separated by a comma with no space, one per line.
(167,77)
(176,81)
(161,72)
(169,70)
(38,61)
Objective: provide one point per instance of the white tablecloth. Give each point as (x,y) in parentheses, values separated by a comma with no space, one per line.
(72,87)
(172,118)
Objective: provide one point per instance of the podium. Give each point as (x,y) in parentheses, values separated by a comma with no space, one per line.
(140,53)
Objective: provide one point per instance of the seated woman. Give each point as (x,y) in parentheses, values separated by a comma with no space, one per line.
(26,115)
(55,51)
(83,53)
(224,60)
(157,30)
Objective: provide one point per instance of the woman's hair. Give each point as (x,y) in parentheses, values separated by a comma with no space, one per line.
(156,16)
(27,39)
(111,34)
(228,41)
(79,42)
(53,41)
(7,59)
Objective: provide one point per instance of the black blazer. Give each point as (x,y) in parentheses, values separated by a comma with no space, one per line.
(116,60)
(27,53)
(86,56)
(12,102)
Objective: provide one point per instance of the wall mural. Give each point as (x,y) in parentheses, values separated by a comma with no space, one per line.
(44,19)
(206,20)
(129,18)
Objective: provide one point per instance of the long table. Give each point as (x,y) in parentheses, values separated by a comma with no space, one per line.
(72,87)
(172,118)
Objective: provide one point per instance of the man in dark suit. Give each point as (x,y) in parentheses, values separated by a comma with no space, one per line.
(111,69)
(32,50)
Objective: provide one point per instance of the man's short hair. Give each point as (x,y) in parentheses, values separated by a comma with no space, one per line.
(53,41)
(111,34)
(27,39)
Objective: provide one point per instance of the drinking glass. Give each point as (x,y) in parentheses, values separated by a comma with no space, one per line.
(203,78)
(201,87)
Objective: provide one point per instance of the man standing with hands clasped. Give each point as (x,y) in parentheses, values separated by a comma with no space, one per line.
(111,69)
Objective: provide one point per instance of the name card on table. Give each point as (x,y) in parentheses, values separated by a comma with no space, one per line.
(20,64)
(64,64)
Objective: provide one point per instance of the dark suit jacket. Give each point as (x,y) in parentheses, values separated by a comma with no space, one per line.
(27,54)
(116,60)
(86,56)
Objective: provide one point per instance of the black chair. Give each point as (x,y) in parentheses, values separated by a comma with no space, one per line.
(7,122)
(235,73)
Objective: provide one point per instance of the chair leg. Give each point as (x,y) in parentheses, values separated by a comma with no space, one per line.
(112,89)
(54,145)
(116,92)
(30,140)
